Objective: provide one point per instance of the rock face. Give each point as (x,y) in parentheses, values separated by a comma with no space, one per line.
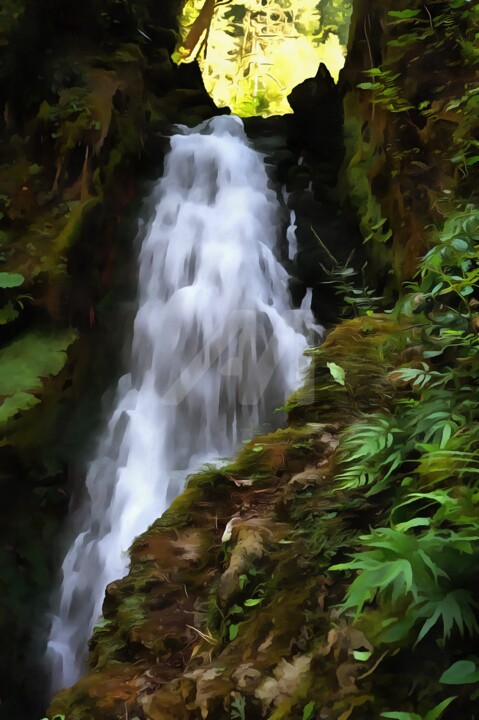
(324,235)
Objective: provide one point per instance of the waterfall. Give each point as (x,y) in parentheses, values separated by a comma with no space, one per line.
(216,348)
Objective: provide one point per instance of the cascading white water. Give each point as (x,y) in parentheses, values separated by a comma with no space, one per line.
(216,347)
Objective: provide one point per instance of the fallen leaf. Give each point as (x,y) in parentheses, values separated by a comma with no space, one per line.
(338,373)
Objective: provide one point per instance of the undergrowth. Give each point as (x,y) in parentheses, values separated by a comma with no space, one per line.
(415,570)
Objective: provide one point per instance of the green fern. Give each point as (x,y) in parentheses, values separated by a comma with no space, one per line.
(370,451)
(425,572)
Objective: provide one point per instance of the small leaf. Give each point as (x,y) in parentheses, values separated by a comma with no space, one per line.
(403,14)
(258,448)
(337,372)
(369,86)
(415,522)
(243,579)
(34,169)
(308,710)
(8,313)
(362,655)
(446,434)
(233,632)
(236,610)
(253,601)
(460,245)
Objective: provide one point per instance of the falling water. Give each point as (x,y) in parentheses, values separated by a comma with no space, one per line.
(216,347)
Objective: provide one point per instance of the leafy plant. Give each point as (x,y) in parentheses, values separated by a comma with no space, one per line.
(420,571)
(386,92)
(370,451)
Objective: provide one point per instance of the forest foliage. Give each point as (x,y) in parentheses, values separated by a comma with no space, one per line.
(245,48)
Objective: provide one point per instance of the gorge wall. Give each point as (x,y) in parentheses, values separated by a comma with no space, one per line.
(88,93)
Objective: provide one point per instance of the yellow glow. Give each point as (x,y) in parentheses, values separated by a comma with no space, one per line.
(269,51)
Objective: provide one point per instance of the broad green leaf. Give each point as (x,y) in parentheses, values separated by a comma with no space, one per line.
(11,280)
(337,372)
(233,631)
(25,363)
(461,672)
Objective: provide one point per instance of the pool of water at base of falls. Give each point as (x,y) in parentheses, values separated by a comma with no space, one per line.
(217,346)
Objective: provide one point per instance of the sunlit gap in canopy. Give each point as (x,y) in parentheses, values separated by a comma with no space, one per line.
(253,52)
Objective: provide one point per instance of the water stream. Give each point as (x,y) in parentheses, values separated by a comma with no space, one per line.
(217,346)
